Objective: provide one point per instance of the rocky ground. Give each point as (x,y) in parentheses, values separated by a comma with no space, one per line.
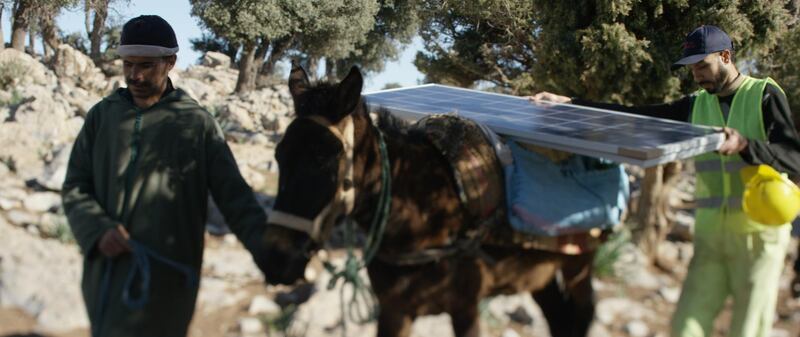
(41,110)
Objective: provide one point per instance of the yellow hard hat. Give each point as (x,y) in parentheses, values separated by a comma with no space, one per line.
(769,197)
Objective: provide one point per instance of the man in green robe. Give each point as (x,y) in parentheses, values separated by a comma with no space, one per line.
(136,193)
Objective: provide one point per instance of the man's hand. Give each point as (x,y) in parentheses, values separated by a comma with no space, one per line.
(734,142)
(114,242)
(545,96)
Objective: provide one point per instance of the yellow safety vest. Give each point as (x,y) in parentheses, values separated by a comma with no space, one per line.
(719,184)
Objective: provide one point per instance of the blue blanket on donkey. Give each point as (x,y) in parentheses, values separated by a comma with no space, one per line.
(575,195)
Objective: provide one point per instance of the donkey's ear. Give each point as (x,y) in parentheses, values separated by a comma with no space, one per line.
(349,94)
(298,81)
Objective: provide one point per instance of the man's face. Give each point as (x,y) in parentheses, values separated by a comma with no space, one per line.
(146,76)
(711,72)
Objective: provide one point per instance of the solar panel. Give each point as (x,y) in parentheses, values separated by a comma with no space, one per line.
(621,137)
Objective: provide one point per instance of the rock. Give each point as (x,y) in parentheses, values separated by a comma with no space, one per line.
(598,330)
(214,59)
(51,224)
(25,69)
(56,170)
(776,332)
(42,202)
(8,204)
(610,309)
(79,99)
(231,263)
(55,302)
(250,326)
(670,295)
(114,83)
(21,218)
(261,305)
(216,294)
(73,65)
(637,329)
(113,68)
(13,193)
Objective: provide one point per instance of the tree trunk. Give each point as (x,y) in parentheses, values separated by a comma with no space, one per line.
(312,63)
(652,218)
(261,53)
(330,69)
(247,78)
(2,36)
(32,39)
(87,17)
(98,27)
(20,25)
(279,48)
(231,51)
(646,234)
(49,36)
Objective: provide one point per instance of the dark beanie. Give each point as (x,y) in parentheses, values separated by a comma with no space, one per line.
(147,35)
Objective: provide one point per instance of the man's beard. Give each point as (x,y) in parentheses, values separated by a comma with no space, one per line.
(719,81)
(144,88)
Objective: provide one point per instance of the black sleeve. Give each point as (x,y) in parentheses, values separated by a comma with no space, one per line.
(678,110)
(781,150)
(233,195)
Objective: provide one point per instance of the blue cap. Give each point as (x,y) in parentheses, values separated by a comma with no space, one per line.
(701,42)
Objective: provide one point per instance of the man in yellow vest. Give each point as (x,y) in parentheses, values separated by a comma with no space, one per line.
(733,256)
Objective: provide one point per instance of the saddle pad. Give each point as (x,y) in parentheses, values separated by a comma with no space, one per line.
(475,167)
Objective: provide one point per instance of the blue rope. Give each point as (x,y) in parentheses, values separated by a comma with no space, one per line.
(141,267)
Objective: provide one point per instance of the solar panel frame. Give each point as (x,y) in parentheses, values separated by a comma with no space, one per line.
(556,126)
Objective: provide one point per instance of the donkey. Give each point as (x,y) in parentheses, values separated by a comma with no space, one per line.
(333,163)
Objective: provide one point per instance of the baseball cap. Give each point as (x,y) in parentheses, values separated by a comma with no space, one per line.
(147,35)
(701,42)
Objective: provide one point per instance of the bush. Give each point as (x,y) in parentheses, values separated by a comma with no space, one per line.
(10,72)
(609,253)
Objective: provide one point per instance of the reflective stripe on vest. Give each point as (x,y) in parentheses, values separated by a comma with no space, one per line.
(719,184)
(717,202)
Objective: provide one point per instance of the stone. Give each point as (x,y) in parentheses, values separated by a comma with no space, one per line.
(670,294)
(8,204)
(21,218)
(261,305)
(510,333)
(29,70)
(637,328)
(42,202)
(214,59)
(250,325)
(74,65)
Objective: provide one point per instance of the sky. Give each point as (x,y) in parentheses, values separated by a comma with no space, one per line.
(177,13)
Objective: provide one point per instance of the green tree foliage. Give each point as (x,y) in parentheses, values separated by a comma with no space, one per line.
(342,32)
(396,23)
(611,50)
(252,24)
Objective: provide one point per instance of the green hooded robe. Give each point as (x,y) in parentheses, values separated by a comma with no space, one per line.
(182,156)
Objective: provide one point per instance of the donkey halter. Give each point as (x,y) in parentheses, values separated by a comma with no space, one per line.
(343,199)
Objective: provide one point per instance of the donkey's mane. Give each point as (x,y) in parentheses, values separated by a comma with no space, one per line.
(395,127)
